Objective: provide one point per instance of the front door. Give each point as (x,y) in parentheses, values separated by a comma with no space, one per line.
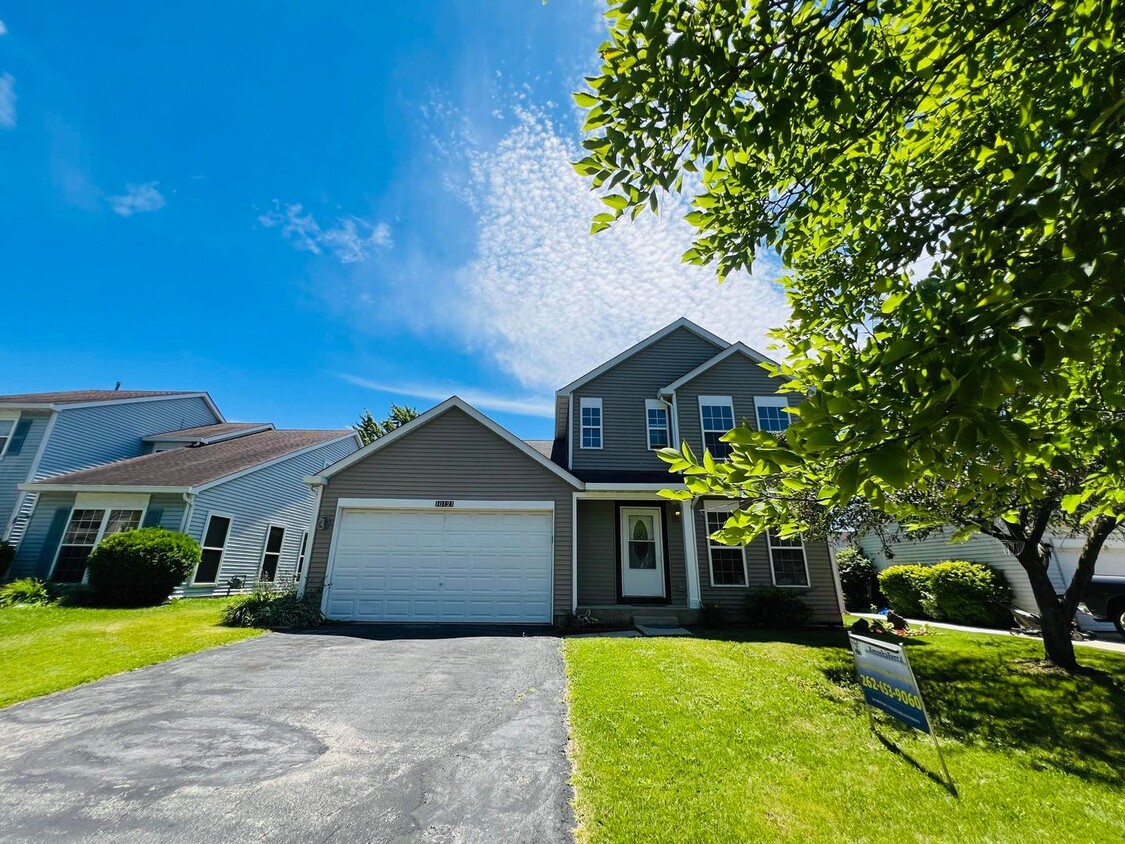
(642,553)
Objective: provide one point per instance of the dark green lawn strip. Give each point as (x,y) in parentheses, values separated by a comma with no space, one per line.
(752,738)
(46,649)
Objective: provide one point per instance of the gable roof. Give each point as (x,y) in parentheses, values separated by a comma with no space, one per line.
(737,348)
(451,403)
(206,434)
(90,398)
(192,468)
(682,322)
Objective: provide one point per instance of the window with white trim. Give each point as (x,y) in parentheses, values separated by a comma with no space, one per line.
(787,560)
(716,415)
(271,553)
(728,562)
(771,413)
(656,422)
(301,556)
(590,415)
(8,421)
(86,528)
(214,541)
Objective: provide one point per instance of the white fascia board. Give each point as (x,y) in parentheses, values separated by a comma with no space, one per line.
(432,414)
(611,487)
(682,322)
(135,488)
(739,348)
(59,406)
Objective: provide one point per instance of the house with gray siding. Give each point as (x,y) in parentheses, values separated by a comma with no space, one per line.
(45,434)
(453,518)
(235,487)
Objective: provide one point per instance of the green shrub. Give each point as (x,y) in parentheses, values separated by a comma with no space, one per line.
(769,606)
(857,578)
(140,568)
(27,590)
(905,587)
(265,608)
(968,593)
(712,616)
(7,554)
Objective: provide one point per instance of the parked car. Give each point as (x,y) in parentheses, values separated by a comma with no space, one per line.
(1104,599)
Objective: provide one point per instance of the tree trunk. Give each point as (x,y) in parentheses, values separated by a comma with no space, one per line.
(1055,620)
(1055,611)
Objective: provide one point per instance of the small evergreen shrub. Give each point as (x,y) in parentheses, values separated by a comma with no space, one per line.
(27,590)
(857,578)
(265,607)
(964,592)
(7,554)
(769,606)
(905,587)
(140,568)
(712,616)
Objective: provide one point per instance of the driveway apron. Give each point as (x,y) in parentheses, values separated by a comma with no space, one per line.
(346,735)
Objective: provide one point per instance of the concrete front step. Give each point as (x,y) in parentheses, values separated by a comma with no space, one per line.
(659,625)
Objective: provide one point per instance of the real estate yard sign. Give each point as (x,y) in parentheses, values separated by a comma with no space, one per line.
(887,681)
(888,684)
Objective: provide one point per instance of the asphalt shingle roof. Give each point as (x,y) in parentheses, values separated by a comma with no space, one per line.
(194,465)
(82,396)
(206,432)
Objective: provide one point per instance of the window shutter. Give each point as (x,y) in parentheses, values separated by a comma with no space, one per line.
(52,539)
(153,517)
(18,436)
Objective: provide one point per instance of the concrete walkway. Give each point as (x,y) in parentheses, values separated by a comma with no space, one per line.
(1105,641)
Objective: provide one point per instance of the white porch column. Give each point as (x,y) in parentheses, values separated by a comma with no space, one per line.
(691,553)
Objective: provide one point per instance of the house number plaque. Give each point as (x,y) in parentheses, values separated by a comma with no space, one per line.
(443,503)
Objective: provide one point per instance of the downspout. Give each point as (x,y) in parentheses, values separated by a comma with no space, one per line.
(185,520)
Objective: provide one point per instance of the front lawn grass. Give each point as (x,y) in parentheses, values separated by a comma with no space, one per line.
(761,736)
(45,649)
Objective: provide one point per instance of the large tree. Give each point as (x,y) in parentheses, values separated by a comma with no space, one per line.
(944,183)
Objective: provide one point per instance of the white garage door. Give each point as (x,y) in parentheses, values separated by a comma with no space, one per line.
(441,565)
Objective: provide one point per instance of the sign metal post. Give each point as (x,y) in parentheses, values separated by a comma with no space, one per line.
(889,685)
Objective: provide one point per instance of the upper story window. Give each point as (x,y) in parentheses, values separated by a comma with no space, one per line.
(716,414)
(591,419)
(6,428)
(656,420)
(787,560)
(771,413)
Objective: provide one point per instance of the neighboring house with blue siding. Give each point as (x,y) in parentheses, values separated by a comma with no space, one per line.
(236,488)
(45,434)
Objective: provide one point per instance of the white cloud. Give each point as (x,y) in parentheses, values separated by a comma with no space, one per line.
(7,100)
(137,199)
(475,397)
(3,29)
(350,239)
(550,302)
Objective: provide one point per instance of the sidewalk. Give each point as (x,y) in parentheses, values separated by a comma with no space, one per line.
(1105,641)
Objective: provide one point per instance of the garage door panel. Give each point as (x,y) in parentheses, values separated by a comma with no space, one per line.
(401,565)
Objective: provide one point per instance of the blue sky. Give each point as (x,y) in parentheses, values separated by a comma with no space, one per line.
(308,209)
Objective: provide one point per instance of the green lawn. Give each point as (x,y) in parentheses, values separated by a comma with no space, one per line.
(761,737)
(45,649)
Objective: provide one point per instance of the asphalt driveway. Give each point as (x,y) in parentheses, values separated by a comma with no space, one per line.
(394,735)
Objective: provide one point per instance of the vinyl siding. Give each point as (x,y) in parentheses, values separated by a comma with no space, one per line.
(737,377)
(598,555)
(29,560)
(623,391)
(821,594)
(451,457)
(15,469)
(276,494)
(93,436)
